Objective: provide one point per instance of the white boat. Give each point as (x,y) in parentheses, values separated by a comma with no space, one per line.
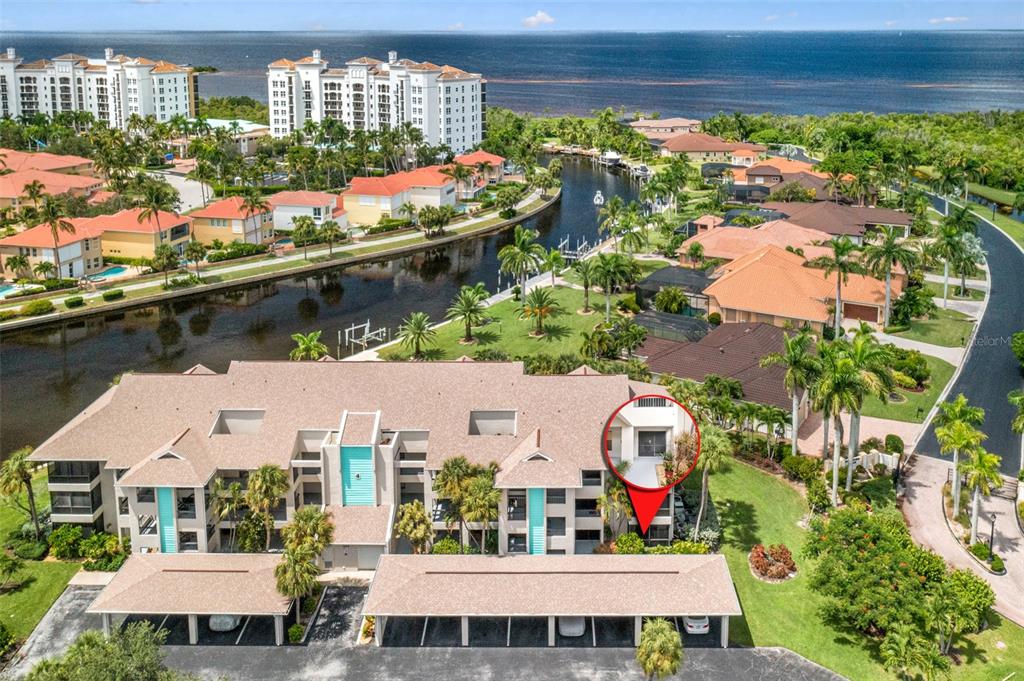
(609,158)
(598,198)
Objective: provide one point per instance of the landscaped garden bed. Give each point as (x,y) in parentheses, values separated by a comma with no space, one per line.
(773,564)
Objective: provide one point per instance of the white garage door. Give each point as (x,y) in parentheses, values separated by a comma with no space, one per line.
(368,556)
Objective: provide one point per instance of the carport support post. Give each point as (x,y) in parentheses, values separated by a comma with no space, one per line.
(638,627)
(465,630)
(725,631)
(551,631)
(193,629)
(278,630)
(106,624)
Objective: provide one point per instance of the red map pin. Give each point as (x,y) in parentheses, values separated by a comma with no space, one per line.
(645,498)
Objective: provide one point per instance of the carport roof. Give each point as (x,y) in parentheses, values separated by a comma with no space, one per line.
(534,586)
(194,584)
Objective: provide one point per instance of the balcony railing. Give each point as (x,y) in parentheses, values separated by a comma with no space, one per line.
(652,450)
(311,499)
(587,513)
(71,509)
(187,511)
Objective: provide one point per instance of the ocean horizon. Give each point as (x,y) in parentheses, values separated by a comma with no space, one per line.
(691,73)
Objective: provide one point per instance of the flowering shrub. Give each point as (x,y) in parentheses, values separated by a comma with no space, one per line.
(773,562)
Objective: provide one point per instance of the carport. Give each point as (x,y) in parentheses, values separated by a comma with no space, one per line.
(173,590)
(518,599)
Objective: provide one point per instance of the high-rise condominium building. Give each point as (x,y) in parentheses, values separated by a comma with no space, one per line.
(111,89)
(445,103)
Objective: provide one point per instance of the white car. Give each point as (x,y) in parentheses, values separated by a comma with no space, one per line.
(697,625)
(572,627)
(224,622)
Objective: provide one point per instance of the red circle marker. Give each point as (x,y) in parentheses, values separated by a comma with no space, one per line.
(647,500)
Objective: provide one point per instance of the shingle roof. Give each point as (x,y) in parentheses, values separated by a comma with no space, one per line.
(698,141)
(361,525)
(730,243)
(194,583)
(832,218)
(587,585)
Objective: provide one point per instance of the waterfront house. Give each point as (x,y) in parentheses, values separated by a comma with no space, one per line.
(369,199)
(702,148)
(80,251)
(730,243)
(228,220)
(496,172)
(13,160)
(657,130)
(320,206)
(124,235)
(12,185)
(141,460)
(835,219)
(774,286)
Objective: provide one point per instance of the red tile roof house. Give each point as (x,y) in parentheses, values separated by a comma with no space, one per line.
(368,199)
(702,148)
(320,206)
(80,252)
(12,185)
(228,220)
(14,160)
(494,174)
(125,236)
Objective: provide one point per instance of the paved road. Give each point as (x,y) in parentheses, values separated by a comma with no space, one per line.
(992,371)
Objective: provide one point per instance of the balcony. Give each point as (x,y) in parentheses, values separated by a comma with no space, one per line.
(440,510)
(72,472)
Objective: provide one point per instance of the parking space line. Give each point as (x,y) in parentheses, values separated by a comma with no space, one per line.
(162,622)
(426,623)
(593,630)
(242,632)
(508,633)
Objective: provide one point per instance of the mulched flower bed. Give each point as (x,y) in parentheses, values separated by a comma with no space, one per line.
(772,564)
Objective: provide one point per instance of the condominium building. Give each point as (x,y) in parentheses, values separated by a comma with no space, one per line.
(357,440)
(445,103)
(111,88)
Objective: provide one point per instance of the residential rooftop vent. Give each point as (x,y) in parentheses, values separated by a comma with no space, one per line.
(238,422)
(492,422)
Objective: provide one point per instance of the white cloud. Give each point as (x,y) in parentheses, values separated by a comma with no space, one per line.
(891,22)
(770,18)
(457,26)
(146,2)
(948,20)
(539,19)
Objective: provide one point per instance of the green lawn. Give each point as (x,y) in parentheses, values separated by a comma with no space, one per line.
(755,507)
(646,267)
(954,285)
(947,328)
(917,405)
(1003,196)
(506,330)
(39,584)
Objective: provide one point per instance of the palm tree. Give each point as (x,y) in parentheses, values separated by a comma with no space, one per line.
(480,504)
(885,250)
(695,252)
(586,270)
(43,268)
(309,527)
(715,449)
(266,485)
(413,523)
(772,418)
(522,256)
(982,475)
(460,173)
(228,502)
(330,231)
(415,331)
(164,260)
(450,483)
(660,652)
(842,262)
(195,251)
(610,270)
(540,303)
(957,437)
(54,214)
(307,346)
(901,649)
(155,197)
(296,574)
(949,413)
(304,231)
(840,387)
(467,308)
(871,360)
(409,210)
(948,244)
(1016,399)
(33,191)
(17,263)
(554,263)
(254,203)
(801,370)
(614,504)
(15,477)
(611,215)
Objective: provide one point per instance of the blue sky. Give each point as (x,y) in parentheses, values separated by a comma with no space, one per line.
(503,16)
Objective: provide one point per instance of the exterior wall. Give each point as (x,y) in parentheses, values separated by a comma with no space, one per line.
(77,260)
(137,244)
(253,229)
(361,211)
(283,215)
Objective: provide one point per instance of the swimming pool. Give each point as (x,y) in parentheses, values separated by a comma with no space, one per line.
(283,242)
(7,288)
(107,273)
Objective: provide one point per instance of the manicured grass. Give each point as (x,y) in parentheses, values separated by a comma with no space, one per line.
(755,507)
(917,404)
(1012,228)
(506,330)
(935,288)
(1003,196)
(646,267)
(947,328)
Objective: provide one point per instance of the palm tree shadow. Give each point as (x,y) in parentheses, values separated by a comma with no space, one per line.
(739,523)
(20,586)
(555,332)
(432,354)
(485,337)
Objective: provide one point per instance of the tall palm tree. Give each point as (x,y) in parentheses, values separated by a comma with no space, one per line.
(948,414)
(522,256)
(228,503)
(839,387)
(871,360)
(958,437)
(611,215)
(304,231)
(801,370)
(610,270)
(155,197)
(480,504)
(451,482)
(554,263)
(467,308)
(614,504)
(307,346)
(539,304)
(715,449)
(296,574)
(266,486)
(1016,399)
(254,203)
(982,473)
(33,191)
(885,250)
(309,526)
(195,251)
(586,270)
(842,262)
(460,173)
(415,331)
(15,478)
(330,231)
(54,214)
(949,245)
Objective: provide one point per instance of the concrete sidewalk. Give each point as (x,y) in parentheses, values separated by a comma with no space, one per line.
(952,355)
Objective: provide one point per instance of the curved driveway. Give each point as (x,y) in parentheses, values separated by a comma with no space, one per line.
(992,371)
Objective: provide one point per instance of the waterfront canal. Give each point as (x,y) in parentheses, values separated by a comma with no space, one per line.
(49,374)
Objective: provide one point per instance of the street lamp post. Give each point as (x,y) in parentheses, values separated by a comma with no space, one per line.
(991,533)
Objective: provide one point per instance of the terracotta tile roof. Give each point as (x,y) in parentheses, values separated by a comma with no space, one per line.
(835,219)
(41,237)
(282,63)
(453,73)
(730,350)
(72,56)
(231,208)
(730,243)
(302,198)
(708,221)
(368,61)
(361,525)
(194,583)
(746,153)
(168,67)
(396,183)
(35,65)
(523,585)
(101,196)
(424,66)
(12,159)
(128,221)
(12,185)
(478,156)
(698,142)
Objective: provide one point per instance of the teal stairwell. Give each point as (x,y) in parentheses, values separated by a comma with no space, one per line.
(535,520)
(358,481)
(165,514)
